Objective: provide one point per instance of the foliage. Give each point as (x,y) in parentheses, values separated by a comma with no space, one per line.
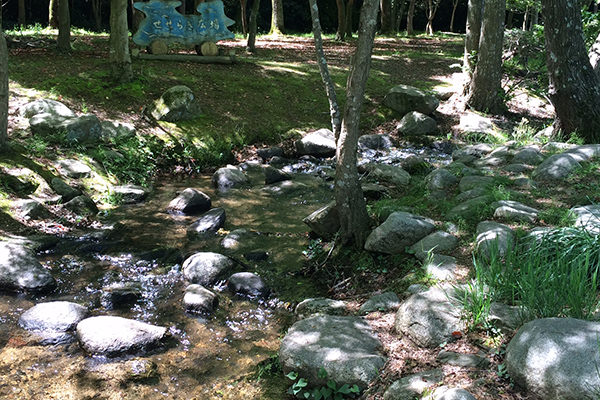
(591,27)
(268,367)
(330,391)
(524,59)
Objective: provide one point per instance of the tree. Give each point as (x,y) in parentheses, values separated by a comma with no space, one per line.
(454,5)
(485,89)
(53,14)
(119,42)
(97,12)
(3,88)
(21,13)
(277,27)
(340,34)
(243,17)
(432,6)
(574,88)
(409,18)
(397,13)
(386,16)
(253,26)
(474,15)
(63,44)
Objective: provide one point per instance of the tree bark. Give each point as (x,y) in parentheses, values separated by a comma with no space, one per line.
(251,45)
(349,12)
(21,13)
(574,88)
(350,201)
(119,42)
(340,34)
(525,19)
(97,11)
(277,26)
(3,90)
(63,44)
(334,109)
(399,15)
(509,19)
(244,20)
(474,15)
(386,16)
(454,5)
(53,14)
(432,6)
(409,18)
(485,90)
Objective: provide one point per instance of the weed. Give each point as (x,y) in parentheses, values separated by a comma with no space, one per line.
(268,367)
(557,216)
(331,391)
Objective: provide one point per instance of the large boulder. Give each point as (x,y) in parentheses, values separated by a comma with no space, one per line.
(560,166)
(53,319)
(430,318)
(229,177)
(176,104)
(400,230)
(73,168)
(198,299)
(437,242)
(390,174)
(111,336)
(207,268)
(320,143)
(83,130)
(45,106)
(404,99)
(20,270)
(417,124)
(345,347)
(556,358)
(325,221)
(248,284)
(494,239)
(588,218)
(190,201)
(210,221)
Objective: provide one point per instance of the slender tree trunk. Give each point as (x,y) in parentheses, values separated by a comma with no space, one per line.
(63,44)
(119,42)
(386,16)
(253,22)
(454,5)
(574,88)
(97,11)
(399,15)
(334,109)
(350,201)
(340,34)
(244,20)
(21,13)
(535,17)
(3,90)
(431,10)
(474,15)
(509,19)
(277,26)
(485,90)
(53,14)
(409,18)
(349,21)
(525,19)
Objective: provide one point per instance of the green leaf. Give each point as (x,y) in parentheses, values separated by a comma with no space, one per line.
(292,375)
(338,396)
(306,395)
(322,374)
(345,389)
(355,389)
(331,384)
(326,392)
(317,394)
(302,383)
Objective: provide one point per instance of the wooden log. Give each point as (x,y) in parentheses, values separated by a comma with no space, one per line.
(189,58)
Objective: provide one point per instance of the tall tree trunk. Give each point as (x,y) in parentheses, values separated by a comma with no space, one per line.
(277,27)
(3,90)
(350,201)
(63,43)
(431,10)
(535,17)
(409,18)
(399,15)
(454,5)
(574,88)
(340,34)
(119,42)
(334,109)
(53,14)
(251,46)
(21,13)
(525,19)
(97,11)
(474,15)
(485,90)
(386,16)
(349,21)
(244,20)
(509,19)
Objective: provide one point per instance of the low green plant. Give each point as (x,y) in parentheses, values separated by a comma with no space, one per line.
(267,367)
(330,391)
(557,216)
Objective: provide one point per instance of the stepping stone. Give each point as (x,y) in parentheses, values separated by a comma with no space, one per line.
(190,201)
(321,305)
(198,299)
(380,302)
(206,268)
(438,242)
(52,320)
(494,237)
(514,211)
(210,221)
(462,359)
(412,386)
(248,284)
(229,177)
(20,269)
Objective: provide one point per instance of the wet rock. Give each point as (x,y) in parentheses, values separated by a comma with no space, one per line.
(462,359)
(446,393)
(31,209)
(441,179)
(20,269)
(474,181)
(556,358)
(274,175)
(270,152)
(248,284)
(437,242)
(514,211)
(325,221)
(176,104)
(198,299)
(345,347)
(82,205)
(476,150)
(528,156)
(417,124)
(560,166)
(45,106)
(51,321)
(234,239)
(320,143)
(190,201)
(285,188)
(400,230)
(122,294)
(494,238)
(430,318)
(469,208)
(111,336)
(375,142)
(412,386)
(380,302)
(117,130)
(131,194)
(588,218)
(73,169)
(61,188)
(277,161)
(123,373)
(404,99)
(207,268)
(229,177)
(387,173)
(440,267)
(210,221)
(320,305)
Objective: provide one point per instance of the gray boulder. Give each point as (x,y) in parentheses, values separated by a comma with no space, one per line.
(111,336)
(176,104)
(560,166)
(446,393)
(131,194)
(248,284)
(229,177)
(65,191)
(514,211)
(73,168)
(528,156)
(556,358)
(506,318)
(440,267)
(117,130)
(320,143)
(466,360)
(473,181)
(235,239)
(270,152)
(440,179)
(404,99)
(476,150)
(321,305)
(430,318)
(206,268)
(83,130)
(471,122)
(437,242)
(412,386)
(380,302)
(20,269)
(190,201)
(31,209)
(588,218)
(375,142)
(417,124)
(324,221)
(469,208)
(493,237)
(54,316)
(390,174)
(45,106)
(274,175)
(400,230)
(345,347)
(82,205)
(198,299)
(210,221)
